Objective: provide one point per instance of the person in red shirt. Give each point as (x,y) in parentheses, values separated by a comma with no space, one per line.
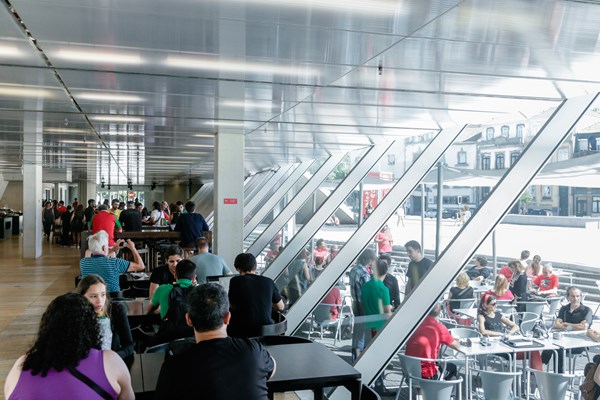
(425,342)
(61,207)
(320,250)
(384,241)
(547,282)
(105,221)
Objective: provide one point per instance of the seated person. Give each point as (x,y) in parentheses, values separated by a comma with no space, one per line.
(480,271)
(425,342)
(252,297)
(573,317)
(108,268)
(171,301)
(462,290)
(547,283)
(208,264)
(68,339)
(217,366)
(535,268)
(500,290)
(166,273)
(492,322)
(334,298)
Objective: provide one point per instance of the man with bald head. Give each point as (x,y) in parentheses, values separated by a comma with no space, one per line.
(547,282)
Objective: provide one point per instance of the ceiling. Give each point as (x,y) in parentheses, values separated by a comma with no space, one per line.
(138,90)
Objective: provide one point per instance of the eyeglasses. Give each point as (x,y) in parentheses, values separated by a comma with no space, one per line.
(493,304)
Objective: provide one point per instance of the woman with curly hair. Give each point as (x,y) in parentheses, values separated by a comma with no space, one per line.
(68,344)
(112,317)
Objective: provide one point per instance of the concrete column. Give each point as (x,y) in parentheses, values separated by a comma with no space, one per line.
(32,185)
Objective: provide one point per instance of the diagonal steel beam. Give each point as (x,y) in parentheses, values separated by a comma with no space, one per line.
(395,333)
(401,190)
(256,196)
(253,184)
(295,203)
(276,197)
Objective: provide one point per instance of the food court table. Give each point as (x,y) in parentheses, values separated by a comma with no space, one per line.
(573,340)
(299,366)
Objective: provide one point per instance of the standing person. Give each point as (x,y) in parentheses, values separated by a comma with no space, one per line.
(375,298)
(417,267)
(191,225)
(400,214)
(298,276)
(252,298)
(68,343)
(112,317)
(131,219)
(107,222)
(384,241)
(156,215)
(66,227)
(90,211)
(358,277)
(75,204)
(320,250)
(518,283)
(391,283)
(574,316)
(48,219)
(164,205)
(217,367)
(78,224)
(317,269)
(333,251)
(426,341)
(115,210)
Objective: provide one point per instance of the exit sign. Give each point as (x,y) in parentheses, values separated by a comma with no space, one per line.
(230,200)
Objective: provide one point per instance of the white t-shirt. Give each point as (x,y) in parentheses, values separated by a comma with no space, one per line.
(156,216)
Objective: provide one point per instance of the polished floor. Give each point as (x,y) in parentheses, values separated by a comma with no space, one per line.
(26,288)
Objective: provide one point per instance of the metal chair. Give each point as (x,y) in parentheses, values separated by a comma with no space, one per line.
(366,393)
(497,385)
(552,386)
(438,390)
(505,306)
(321,319)
(464,333)
(550,315)
(526,321)
(411,369)
(536,307)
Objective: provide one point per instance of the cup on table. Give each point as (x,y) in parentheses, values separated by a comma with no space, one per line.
(557,335)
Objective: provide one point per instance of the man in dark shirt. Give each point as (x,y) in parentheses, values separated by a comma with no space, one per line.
(166,273)
(572,317)
(191,225)
(418,266)
(131,219)
(90,211)
(217,367)
(480,271)
(391,282)
(252,297)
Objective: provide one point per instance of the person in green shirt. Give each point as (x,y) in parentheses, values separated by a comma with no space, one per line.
(185,274)
(376,300)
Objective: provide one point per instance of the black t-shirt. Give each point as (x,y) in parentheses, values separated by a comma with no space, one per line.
(458,293)
(251,298)
(476,273)
(581,313)
(417,270)
(89,213)
(218,369)
(519,287)
(131,220)
(162,276)
(391,283)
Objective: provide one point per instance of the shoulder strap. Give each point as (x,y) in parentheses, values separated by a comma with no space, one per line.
(463,291)
(83,378)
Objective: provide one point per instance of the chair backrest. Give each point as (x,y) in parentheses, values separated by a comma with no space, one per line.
(504,306)
(553,305)
(535,307)
(466,303)
(496,385)
(464,333)
(322,313)
(552,386)
(437,390)
(526,321)
(411,366)
(366,393)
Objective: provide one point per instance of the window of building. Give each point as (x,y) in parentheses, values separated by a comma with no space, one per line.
(485,161)
(489,133)
(513,158)
(563,154)
(520,129)
(499,161)
(391,159)
(504,131)
(596,204)
(532,192)
(462,157)
(546,192)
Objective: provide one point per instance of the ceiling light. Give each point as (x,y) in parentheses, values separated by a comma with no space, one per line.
(199,145)
(358,6)
(117,118)
(103,57)
(76,142)
(204,135)
(109,97)
(233,124)
(20,91)
(66,130)
(10,51)
(247,104)
(211,64)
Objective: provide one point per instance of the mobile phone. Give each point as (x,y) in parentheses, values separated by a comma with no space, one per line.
(122,244)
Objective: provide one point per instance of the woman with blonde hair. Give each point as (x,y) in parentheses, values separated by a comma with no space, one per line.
(462,290)
(500,290)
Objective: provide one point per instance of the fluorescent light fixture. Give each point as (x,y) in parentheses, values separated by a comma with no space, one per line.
(66,130)
(95,56)
(212,64)
(76,142)
(247,104)
(20,91)
(196,152)
(117,97)
(10,51)
(117,118)
(204,135)
(392,7)
(232,124)
(208,146)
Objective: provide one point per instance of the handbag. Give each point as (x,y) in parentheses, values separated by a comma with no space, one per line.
(83,378)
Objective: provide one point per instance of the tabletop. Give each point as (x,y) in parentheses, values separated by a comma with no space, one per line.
(476,349)
(148,234)
(573,340)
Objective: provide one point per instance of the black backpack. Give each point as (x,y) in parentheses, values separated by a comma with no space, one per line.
(174,325)
(589,389)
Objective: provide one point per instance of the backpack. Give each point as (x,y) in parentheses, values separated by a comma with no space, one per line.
(589,389)
(174,325)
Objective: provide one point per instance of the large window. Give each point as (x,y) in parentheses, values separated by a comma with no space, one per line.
(485,161)
(520,128)
(596,204)
(513,158)
(504,131)
(462,157)
(499,161)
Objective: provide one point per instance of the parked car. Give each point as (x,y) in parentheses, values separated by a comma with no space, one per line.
(447,213)
(539,211)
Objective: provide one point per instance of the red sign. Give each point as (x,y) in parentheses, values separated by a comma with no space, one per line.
(131,195)
(230,200)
